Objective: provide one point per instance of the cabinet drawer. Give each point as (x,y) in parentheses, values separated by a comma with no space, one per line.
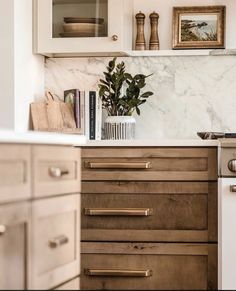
(149,164)
(55,241)
(137,266)
(14,227)
(56,170)
(71,285)
(14,172)
(144,211)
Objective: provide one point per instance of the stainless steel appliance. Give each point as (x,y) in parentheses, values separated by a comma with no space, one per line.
(227,214)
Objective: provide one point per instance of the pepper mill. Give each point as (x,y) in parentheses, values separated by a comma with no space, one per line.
(154,39)
(140,40)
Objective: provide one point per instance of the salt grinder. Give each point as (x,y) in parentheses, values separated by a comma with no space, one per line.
(140,40)
(154,39)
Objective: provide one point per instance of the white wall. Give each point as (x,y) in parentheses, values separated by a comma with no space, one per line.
(164,8)
(6,63)
(22,73)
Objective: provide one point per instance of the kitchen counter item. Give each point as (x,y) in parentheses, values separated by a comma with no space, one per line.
(215,135)
(83,20)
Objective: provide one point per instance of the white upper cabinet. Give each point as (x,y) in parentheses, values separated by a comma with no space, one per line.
(82,27)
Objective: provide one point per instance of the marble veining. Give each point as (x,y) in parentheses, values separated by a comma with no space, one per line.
(193,93)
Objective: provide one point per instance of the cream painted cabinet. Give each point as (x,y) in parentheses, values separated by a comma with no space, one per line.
(82,27)
(14,226)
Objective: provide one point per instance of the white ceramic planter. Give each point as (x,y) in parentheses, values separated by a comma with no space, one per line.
(119,127)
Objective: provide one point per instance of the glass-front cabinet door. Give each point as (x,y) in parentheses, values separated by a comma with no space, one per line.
(82,26)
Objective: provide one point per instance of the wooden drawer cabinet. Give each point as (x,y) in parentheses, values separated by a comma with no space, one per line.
(71,285)
(55,241)
(56,170)
(149,218)
(152,164)
(14,226)
(143,266)
(14,173)
(157,211)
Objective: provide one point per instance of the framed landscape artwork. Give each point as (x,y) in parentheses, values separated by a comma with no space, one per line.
(198,27)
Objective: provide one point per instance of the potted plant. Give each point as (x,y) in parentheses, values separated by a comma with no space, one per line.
(121,96)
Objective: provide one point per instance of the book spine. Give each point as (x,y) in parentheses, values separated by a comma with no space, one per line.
(77,109)
(82,111)
(87,113)
(98,117)
(92,111)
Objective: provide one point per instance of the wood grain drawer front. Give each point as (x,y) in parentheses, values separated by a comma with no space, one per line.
(55,241)
(148,266)
(14,221)
(57,170)
(71,285)
(149,164)
(157,211)
(14,173)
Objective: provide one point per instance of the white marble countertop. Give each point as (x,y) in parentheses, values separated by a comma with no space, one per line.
(154,143)
(32,137)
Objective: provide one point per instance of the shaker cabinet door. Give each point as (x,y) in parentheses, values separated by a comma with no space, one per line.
(13,246)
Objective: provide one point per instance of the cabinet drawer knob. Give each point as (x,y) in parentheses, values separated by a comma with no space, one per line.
(232,166)
(58,241)
(3,229)
(57,172)
(118,273)
(233,188)
(115,37)
(118,211)
(131,165)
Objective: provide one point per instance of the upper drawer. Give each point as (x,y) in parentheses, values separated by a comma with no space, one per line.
(164,164)
(14,172)
(56,170)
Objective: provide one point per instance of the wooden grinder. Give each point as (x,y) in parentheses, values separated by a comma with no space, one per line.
(154,39)
(140,40)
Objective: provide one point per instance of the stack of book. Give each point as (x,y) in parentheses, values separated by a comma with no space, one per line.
(87,107)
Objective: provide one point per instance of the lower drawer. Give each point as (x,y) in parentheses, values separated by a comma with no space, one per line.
(146,266)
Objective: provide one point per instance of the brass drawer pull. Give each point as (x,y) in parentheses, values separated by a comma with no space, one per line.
(58,241)
(133,165)
(3,229)
(57,172)
(232,188)
(118,273)
(118,211)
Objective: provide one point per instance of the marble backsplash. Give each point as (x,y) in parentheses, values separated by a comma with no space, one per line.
(190,93)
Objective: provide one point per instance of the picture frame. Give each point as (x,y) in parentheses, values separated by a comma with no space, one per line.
(199,27)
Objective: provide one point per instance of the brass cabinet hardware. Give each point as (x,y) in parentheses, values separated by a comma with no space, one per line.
(115,37)
(58,241)
(232,166)
(57,172)
(3,229)
(232,188)
(118,273)
(118,211)
(121,165)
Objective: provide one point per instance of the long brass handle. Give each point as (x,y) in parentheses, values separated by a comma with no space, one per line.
(118,211)
(118,273)
(58,241)
(125,165)
(57,172)
(3,229)
(232,188)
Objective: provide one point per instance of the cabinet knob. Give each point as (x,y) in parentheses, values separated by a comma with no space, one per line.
(232,166)
(57,172)
(2,229)
(115,37)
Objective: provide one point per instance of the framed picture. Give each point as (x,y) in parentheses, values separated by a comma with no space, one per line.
(198,27)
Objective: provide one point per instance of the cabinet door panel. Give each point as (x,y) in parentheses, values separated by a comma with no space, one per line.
(14,221)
